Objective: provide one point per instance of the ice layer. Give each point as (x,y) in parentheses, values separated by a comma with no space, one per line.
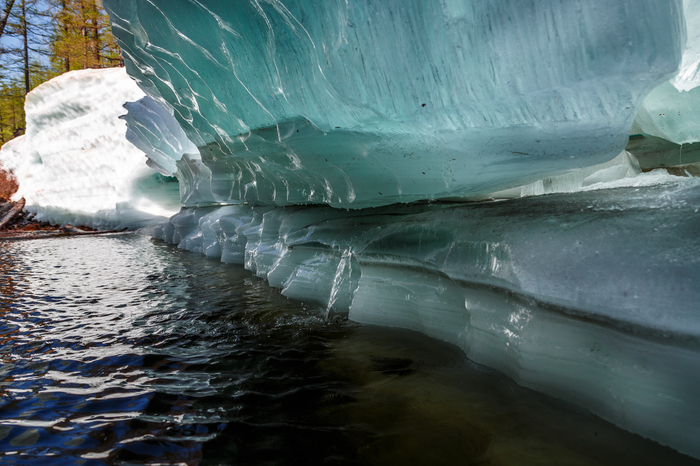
(672,110)
(75,165)
(590,297)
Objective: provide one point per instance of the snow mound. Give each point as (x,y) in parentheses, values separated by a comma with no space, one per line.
(74,164)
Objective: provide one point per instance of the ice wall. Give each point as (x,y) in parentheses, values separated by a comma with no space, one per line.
(590,297)
(74,164)
(364,103)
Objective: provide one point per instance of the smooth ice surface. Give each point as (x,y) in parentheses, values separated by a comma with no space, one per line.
(152,128)
(670,114)
(74,164)
(591,296)
(363,103)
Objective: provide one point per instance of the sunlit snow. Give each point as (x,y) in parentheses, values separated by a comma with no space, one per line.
(74,164)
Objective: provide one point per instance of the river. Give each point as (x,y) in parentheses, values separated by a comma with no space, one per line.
(120,349)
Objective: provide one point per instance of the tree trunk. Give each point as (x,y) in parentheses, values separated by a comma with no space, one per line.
(25,36)
(96,33)
(6,15)
(84,34)
(64,13)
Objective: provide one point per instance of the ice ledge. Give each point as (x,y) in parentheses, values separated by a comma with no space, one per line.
(590,297)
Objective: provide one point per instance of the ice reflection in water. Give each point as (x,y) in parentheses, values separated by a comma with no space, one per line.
(123,350)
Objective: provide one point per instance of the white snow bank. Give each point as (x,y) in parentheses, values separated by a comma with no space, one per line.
(74,164)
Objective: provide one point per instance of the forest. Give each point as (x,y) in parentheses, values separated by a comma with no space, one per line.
(40,39)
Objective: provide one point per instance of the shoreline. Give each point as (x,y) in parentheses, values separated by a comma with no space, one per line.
(18,224)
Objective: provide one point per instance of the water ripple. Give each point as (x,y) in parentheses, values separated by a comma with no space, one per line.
(123,350)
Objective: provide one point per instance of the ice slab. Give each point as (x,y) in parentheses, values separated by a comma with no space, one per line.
(590,296)
(74,164)
(624,166)
(670,114)
(671,110)
(360,104)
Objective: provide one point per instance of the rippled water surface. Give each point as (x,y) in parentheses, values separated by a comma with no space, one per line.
(123,350)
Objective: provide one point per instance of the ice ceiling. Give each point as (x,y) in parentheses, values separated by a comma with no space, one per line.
(367,103)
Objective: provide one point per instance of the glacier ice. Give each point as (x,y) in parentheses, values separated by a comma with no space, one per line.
(688,76)
(74,164)
(670,114)
(364,103)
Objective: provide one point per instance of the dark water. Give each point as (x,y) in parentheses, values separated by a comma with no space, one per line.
(124,350)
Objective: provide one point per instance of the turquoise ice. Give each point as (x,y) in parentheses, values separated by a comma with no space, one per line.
(261,107)
(367,103)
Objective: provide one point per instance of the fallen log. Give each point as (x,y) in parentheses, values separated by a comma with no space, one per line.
(71,229)
(12,213)
(12,235)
